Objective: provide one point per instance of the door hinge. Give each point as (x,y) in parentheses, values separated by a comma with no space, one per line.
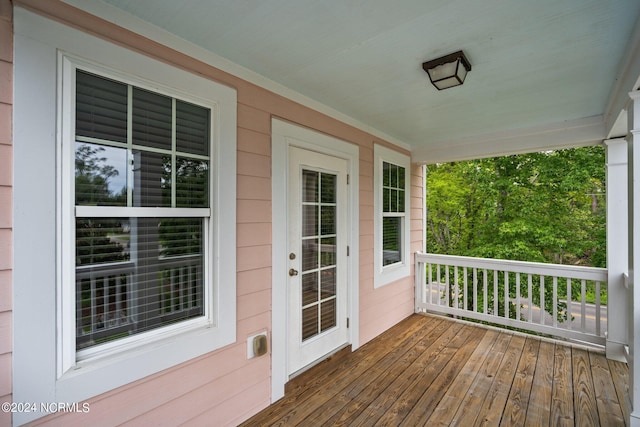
(347,250)
(347,323)
(348,180)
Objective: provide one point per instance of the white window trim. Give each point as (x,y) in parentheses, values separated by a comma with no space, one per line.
(393,272)
(43,369)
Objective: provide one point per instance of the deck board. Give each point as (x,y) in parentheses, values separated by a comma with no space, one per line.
(517,404)
(540,399)
(430,370)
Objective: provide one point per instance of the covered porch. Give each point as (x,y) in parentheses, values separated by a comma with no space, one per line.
(431,370)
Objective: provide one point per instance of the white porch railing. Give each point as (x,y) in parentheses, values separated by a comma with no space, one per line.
(543,298)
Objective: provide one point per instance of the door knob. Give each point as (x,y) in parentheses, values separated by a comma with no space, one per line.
(293,272)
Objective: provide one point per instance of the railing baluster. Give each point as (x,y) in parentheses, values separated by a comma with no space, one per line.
(475,290)
(496,301)
(517,296)
(569,303)
(484,290)
(456,287)
(446,286)
(555,301)
(506,294)
(597,308)
(429,280)
(530,296)
(438,283)
(542,303)
(583,311)
(464,290)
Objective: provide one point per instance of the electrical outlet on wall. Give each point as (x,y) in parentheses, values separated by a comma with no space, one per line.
(252,345)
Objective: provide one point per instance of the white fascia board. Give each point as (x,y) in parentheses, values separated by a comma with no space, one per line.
(152,32)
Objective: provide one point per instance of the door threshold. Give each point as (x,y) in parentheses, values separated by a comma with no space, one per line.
(331,357)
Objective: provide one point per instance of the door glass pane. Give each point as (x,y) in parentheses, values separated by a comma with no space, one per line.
(328,183)
(328,315)
(309,288)
(328,252)
(309,186)
(309,220)
(328,278)
(328,219)
(309,254)
(319,245)
(309,322)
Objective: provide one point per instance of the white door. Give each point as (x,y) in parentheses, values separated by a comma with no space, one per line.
(317,252)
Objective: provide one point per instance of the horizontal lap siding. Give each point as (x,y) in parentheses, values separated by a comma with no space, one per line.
(224,386)
(6,221)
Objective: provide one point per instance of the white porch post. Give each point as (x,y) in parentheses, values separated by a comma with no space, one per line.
(617,251)
(634,251)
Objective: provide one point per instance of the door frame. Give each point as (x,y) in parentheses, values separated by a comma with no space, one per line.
(283,136)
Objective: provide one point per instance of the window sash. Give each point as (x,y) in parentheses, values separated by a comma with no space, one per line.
(176,142)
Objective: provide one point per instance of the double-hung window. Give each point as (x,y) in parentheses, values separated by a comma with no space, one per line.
(391,204)
(126,243)
(142,210)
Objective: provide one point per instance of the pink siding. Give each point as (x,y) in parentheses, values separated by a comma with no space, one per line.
(6,101)
(224,388)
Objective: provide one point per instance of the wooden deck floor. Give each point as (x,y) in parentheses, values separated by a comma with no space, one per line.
(429,370)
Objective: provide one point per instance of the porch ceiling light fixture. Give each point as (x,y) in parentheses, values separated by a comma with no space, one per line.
(448,71)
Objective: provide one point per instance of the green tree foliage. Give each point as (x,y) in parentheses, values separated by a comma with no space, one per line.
(542,207)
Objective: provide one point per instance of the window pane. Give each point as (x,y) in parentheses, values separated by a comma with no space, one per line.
(192,183)
(192,128)
(152,119)
(391,240)
(102,240)
(401,201)
(386,200)
(393,199)
(151,179)
(136,274)
(101,108)
(101,175)
(386,174)
(393,176)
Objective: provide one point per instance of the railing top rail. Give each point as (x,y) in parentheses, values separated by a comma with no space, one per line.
(560,270)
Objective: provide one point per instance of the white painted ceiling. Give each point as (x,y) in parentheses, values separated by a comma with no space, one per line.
(536,64)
